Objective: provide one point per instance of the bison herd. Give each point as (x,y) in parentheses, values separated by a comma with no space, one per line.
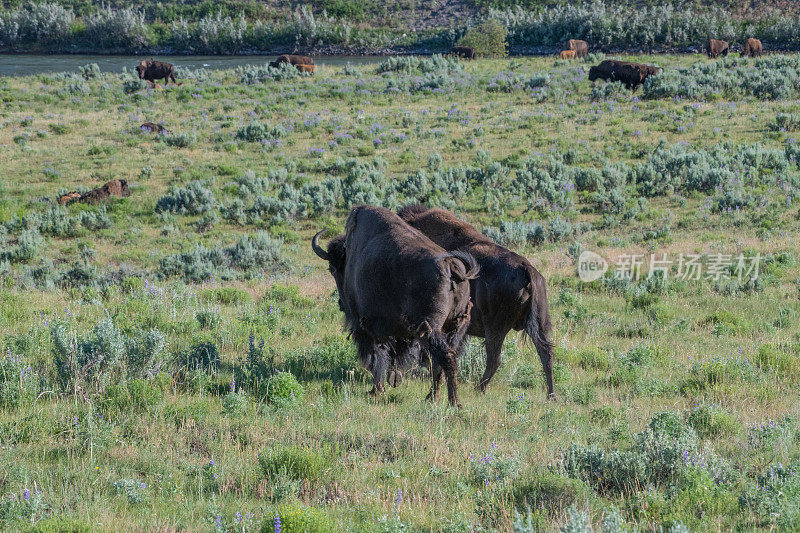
(414,284)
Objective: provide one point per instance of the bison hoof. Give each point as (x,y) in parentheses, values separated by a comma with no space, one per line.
(552,396)
(395,378)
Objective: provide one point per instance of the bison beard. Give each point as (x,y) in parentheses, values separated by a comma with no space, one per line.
(399,287)
(508,294)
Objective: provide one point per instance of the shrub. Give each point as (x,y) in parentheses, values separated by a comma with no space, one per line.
(712,421)
(282,389)
(298,519)
(202,356)
(135,491)
(258,132)
(294,462)
(489,467)
(194,199)
(487,38)
(116,29)
(550,493)
(93,361)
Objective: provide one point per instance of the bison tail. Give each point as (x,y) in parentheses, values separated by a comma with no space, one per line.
(470,264)
(538,327)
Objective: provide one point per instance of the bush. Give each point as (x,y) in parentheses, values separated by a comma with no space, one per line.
(194,199)
(117,29)
(180,140)
(42,23)
(282,389)
(488,39)
(293,462)
(712,421)
(550,493)
(298,519)
(259,132)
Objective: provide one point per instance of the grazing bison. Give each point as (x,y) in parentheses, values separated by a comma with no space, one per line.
(716,48)
(152,127)
(151,71)
(630,74)
(400,353)
(509,293)
(753,47)
(581,48)
(297,61)
(397,285)
(464,52)
(306,68)
(567,54)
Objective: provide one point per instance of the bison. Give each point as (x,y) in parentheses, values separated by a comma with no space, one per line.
(297,61)
(398,286)
(464,52)
(567,54)
(630,74)
(401,354)
(152,127)
(509,292)
(109,189)
(581,48)
(716,48)
(753,47)
(150,71)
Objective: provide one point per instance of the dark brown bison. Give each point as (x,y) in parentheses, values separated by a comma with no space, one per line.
(581,47)
(152,127)
(397,285)
(753,48)
(295,60)
(150,71)
(112,188)
(401,354)
(464,52)
(632,75)
(716,48)
(509,293)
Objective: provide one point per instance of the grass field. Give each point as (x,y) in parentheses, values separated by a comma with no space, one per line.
(175,360)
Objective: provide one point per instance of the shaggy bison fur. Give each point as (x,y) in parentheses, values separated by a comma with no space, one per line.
(580,47)
(716,48)
(464,52)
(399,287)
(151,71)
(112,188)
(508,294)
(632,75)
(753,48)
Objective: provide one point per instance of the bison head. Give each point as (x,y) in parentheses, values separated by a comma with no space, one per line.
(335,256)
(594,73)
(141,68)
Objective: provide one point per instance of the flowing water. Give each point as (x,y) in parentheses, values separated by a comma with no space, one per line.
(25,64)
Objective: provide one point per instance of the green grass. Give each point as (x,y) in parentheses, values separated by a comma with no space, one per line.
(174,449)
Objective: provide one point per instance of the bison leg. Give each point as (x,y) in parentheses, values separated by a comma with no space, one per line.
(443,356)
(375,358)
(494,348)
(436,374)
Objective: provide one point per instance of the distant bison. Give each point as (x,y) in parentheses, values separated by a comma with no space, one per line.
(112,188)
(306,68)
(297,61)
(65,199)
(632,75)
(567,54)
(151,71)
(464,52)
(716,48)
(152,127)
(581,48)
(753,47)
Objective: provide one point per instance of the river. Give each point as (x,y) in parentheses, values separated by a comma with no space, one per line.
(25,64)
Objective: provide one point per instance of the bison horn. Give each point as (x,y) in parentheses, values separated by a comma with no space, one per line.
(317,248)
(469,263)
